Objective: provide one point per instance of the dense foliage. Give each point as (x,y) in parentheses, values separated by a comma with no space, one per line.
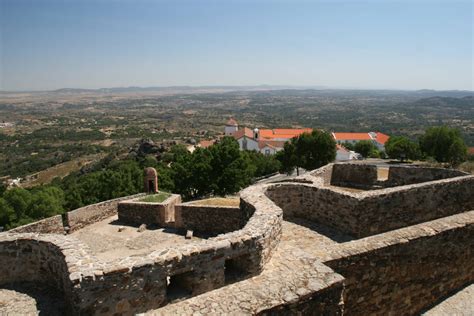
(308,151)
(444,144)
(400,147)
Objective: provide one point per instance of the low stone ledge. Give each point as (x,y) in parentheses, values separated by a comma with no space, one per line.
(50,225)
(209,218)
(84,216)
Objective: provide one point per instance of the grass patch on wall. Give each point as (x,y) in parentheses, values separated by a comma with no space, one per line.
(156,198)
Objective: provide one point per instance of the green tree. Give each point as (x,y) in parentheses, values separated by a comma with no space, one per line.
(46,202)
(287,158)
(3,188)
(400,147)
(19,199)
(7,214)
(444,144)
(230,171)
(365,148)
(308,151)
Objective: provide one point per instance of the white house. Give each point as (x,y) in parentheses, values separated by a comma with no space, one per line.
(344,154)
(266,141)
(379,139)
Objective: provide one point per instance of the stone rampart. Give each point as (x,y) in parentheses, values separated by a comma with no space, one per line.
(50,225)
(354,175)
(372,212)
(209,218)
(317,203)
(136,212)
(392,208)
(399,175)
(90,214)
(404,271)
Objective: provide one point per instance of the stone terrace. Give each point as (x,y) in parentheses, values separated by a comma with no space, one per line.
(108,244)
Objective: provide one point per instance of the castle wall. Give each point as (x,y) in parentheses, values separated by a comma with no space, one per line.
(383,210)
(317,204)
(50,225)
(404,271)
(399,175)
(354,175)
(373,212)
(209,218)
(90,214)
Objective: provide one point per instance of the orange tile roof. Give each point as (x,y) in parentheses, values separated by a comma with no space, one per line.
(241,132)
(381,138)
(232,122)
(206,143)
(340,147)
(470,150)
(352,136)
(283,133)
(271,143)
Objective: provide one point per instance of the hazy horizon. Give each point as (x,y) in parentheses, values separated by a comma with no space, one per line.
(394,45)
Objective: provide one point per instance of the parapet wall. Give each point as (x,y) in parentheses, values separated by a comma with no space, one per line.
(405,271)
(372,212)
(210,218)
(318,204)
(354,175)
(383,210)
(50,225)
(409,175)
(90,214)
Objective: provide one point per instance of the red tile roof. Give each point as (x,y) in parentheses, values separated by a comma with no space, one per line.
(470,150)
(206,143)
(283,133)
(271,143)
(381,138)
(243,131)
(352,136)
(340,147)
(232,122)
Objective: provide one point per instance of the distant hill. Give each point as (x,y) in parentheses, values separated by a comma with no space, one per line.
(466,101)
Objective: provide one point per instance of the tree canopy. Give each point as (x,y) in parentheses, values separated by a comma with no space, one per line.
(365,147)
(308,151)
(444,144)
(400,147)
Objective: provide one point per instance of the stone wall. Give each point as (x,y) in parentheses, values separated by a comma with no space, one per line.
(209,218)
(403,175)
(136,213)
(318,204)
(45,259)
(404,271)
(50,225)
(90,214)
(383,210)
(373,212)
(354,175)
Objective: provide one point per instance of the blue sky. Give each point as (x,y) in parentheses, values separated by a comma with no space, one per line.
(48,44)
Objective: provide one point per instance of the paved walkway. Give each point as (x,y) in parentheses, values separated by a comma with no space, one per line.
(458,304)
(293,271)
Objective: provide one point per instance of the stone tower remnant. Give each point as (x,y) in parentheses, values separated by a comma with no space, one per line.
(150,180)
